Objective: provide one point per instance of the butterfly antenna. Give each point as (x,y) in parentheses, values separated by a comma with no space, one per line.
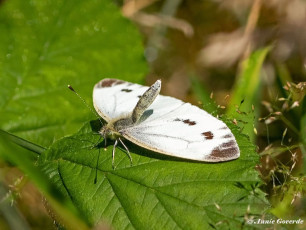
(72,89)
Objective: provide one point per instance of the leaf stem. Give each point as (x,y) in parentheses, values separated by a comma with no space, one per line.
(23,143)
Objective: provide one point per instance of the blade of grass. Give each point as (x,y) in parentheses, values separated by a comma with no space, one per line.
(247,89)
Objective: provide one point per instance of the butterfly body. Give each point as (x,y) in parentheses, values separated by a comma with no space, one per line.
(161,123)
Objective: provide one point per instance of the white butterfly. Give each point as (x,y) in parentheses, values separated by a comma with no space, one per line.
(161,123)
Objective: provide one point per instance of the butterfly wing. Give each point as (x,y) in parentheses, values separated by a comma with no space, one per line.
(113,98)
(168,126)
(179,129)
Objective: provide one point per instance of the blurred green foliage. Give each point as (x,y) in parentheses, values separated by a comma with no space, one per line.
(246,94)
(50,44)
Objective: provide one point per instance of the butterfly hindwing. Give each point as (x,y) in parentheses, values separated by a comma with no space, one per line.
(175,128)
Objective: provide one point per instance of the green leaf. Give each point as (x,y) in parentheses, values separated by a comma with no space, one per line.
(46,45)
(21,157)
(157,192)
(248,90)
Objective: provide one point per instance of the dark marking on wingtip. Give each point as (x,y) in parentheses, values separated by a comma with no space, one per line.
(139,96)
(126,90)
(228,144)
(226,150)
(227,136)
(208,135)
(109,83)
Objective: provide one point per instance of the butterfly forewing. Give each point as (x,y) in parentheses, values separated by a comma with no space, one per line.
(114,98)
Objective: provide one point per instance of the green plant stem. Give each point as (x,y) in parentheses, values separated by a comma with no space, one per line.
(22,143)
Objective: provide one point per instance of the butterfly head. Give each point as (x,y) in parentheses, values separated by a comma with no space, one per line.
(108,131)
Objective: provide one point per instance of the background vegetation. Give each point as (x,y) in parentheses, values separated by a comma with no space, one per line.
(241,60)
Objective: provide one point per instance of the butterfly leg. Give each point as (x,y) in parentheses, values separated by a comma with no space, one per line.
(97,143)
(127,150)
(113,155)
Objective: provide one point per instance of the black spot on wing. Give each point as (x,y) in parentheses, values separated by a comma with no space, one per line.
(126,90)
(189,122)
(208,135)
(139,96)
(186,121)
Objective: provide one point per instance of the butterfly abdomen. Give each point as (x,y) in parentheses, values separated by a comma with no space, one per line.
(146,100)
